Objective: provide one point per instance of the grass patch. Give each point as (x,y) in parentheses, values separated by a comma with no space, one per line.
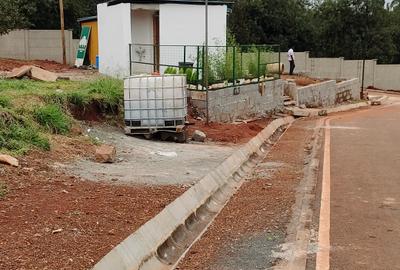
(18,134)
(106,91)
(53,119)
(5,101)
(29,108)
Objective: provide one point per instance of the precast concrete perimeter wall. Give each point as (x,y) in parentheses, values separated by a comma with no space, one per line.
(153,246)
(241,102)
(38,45)
(326,94)
(385,77)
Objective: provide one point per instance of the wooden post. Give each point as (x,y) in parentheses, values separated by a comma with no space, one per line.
(63,32)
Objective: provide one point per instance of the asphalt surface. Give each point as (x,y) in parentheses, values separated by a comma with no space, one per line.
(365,189)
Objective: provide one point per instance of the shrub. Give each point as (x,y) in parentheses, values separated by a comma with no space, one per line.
(53,119)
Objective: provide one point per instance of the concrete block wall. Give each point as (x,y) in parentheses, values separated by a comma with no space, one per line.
(317,95)
(329,93)
(387,77)
(380,76)
(38,45)
(241,102)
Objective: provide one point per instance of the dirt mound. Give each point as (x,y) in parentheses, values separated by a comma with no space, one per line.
(229,133)
(302,80)
(10,64)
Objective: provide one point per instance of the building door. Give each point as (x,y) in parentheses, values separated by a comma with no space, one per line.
(156,41)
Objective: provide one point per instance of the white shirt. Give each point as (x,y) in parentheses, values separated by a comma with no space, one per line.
(290,55)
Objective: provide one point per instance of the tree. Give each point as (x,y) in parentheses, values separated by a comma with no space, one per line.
(43,14)
(273,21)
(354,29)
(13,15)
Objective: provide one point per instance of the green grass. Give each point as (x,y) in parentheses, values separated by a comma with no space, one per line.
(52,118)
(18,134)
(31,109)
(5,101)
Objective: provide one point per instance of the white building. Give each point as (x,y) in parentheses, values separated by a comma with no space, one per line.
(151,22)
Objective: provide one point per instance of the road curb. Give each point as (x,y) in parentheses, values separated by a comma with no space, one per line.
(298,112)
(163,240)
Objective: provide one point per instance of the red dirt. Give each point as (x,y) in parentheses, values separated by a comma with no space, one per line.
(229,133)
(302,80)
(10,64)
(260,204)
(94,217)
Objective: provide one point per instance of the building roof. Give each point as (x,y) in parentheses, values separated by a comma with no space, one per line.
(88,19)
(183,2)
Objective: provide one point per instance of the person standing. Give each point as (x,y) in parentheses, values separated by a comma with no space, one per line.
(291,60)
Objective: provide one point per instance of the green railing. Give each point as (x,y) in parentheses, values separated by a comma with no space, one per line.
(227,65)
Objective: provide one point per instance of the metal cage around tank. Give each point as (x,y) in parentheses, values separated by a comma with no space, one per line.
(155,103)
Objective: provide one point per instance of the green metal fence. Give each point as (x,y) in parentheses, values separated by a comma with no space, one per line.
(227,65)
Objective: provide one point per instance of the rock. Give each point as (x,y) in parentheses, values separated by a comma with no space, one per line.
(43,75)
(9,160)
(34,73)
(105,154)
(302,106)
(300,113)
(19,72)
(376,103)
(199,136)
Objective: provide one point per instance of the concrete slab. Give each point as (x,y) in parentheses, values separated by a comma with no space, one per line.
(19,72)
(43,75)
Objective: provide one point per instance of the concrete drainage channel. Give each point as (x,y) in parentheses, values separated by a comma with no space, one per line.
(164,240)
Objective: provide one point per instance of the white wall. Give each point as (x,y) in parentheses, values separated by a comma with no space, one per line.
(387,77)
(179,25)
(185,25)
(115,35)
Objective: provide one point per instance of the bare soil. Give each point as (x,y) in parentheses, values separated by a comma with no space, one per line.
(228,132)
(51,220)
(302,80)
(259,212)
(10,64)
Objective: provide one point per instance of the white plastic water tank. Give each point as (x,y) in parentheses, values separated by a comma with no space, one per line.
(155,101)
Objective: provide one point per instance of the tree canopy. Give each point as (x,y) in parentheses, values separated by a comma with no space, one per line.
(332,28)
(43,14)
(353,29)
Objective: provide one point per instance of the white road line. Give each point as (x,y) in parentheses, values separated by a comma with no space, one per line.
(322,262)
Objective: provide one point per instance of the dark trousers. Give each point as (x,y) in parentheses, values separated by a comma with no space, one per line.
(292,66)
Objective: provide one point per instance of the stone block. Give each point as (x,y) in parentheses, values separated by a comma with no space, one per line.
(9,160)
(105,154)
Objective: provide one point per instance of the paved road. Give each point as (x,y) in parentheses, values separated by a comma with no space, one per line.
(364,212)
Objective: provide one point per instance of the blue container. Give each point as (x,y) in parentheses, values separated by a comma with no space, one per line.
(97,61)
